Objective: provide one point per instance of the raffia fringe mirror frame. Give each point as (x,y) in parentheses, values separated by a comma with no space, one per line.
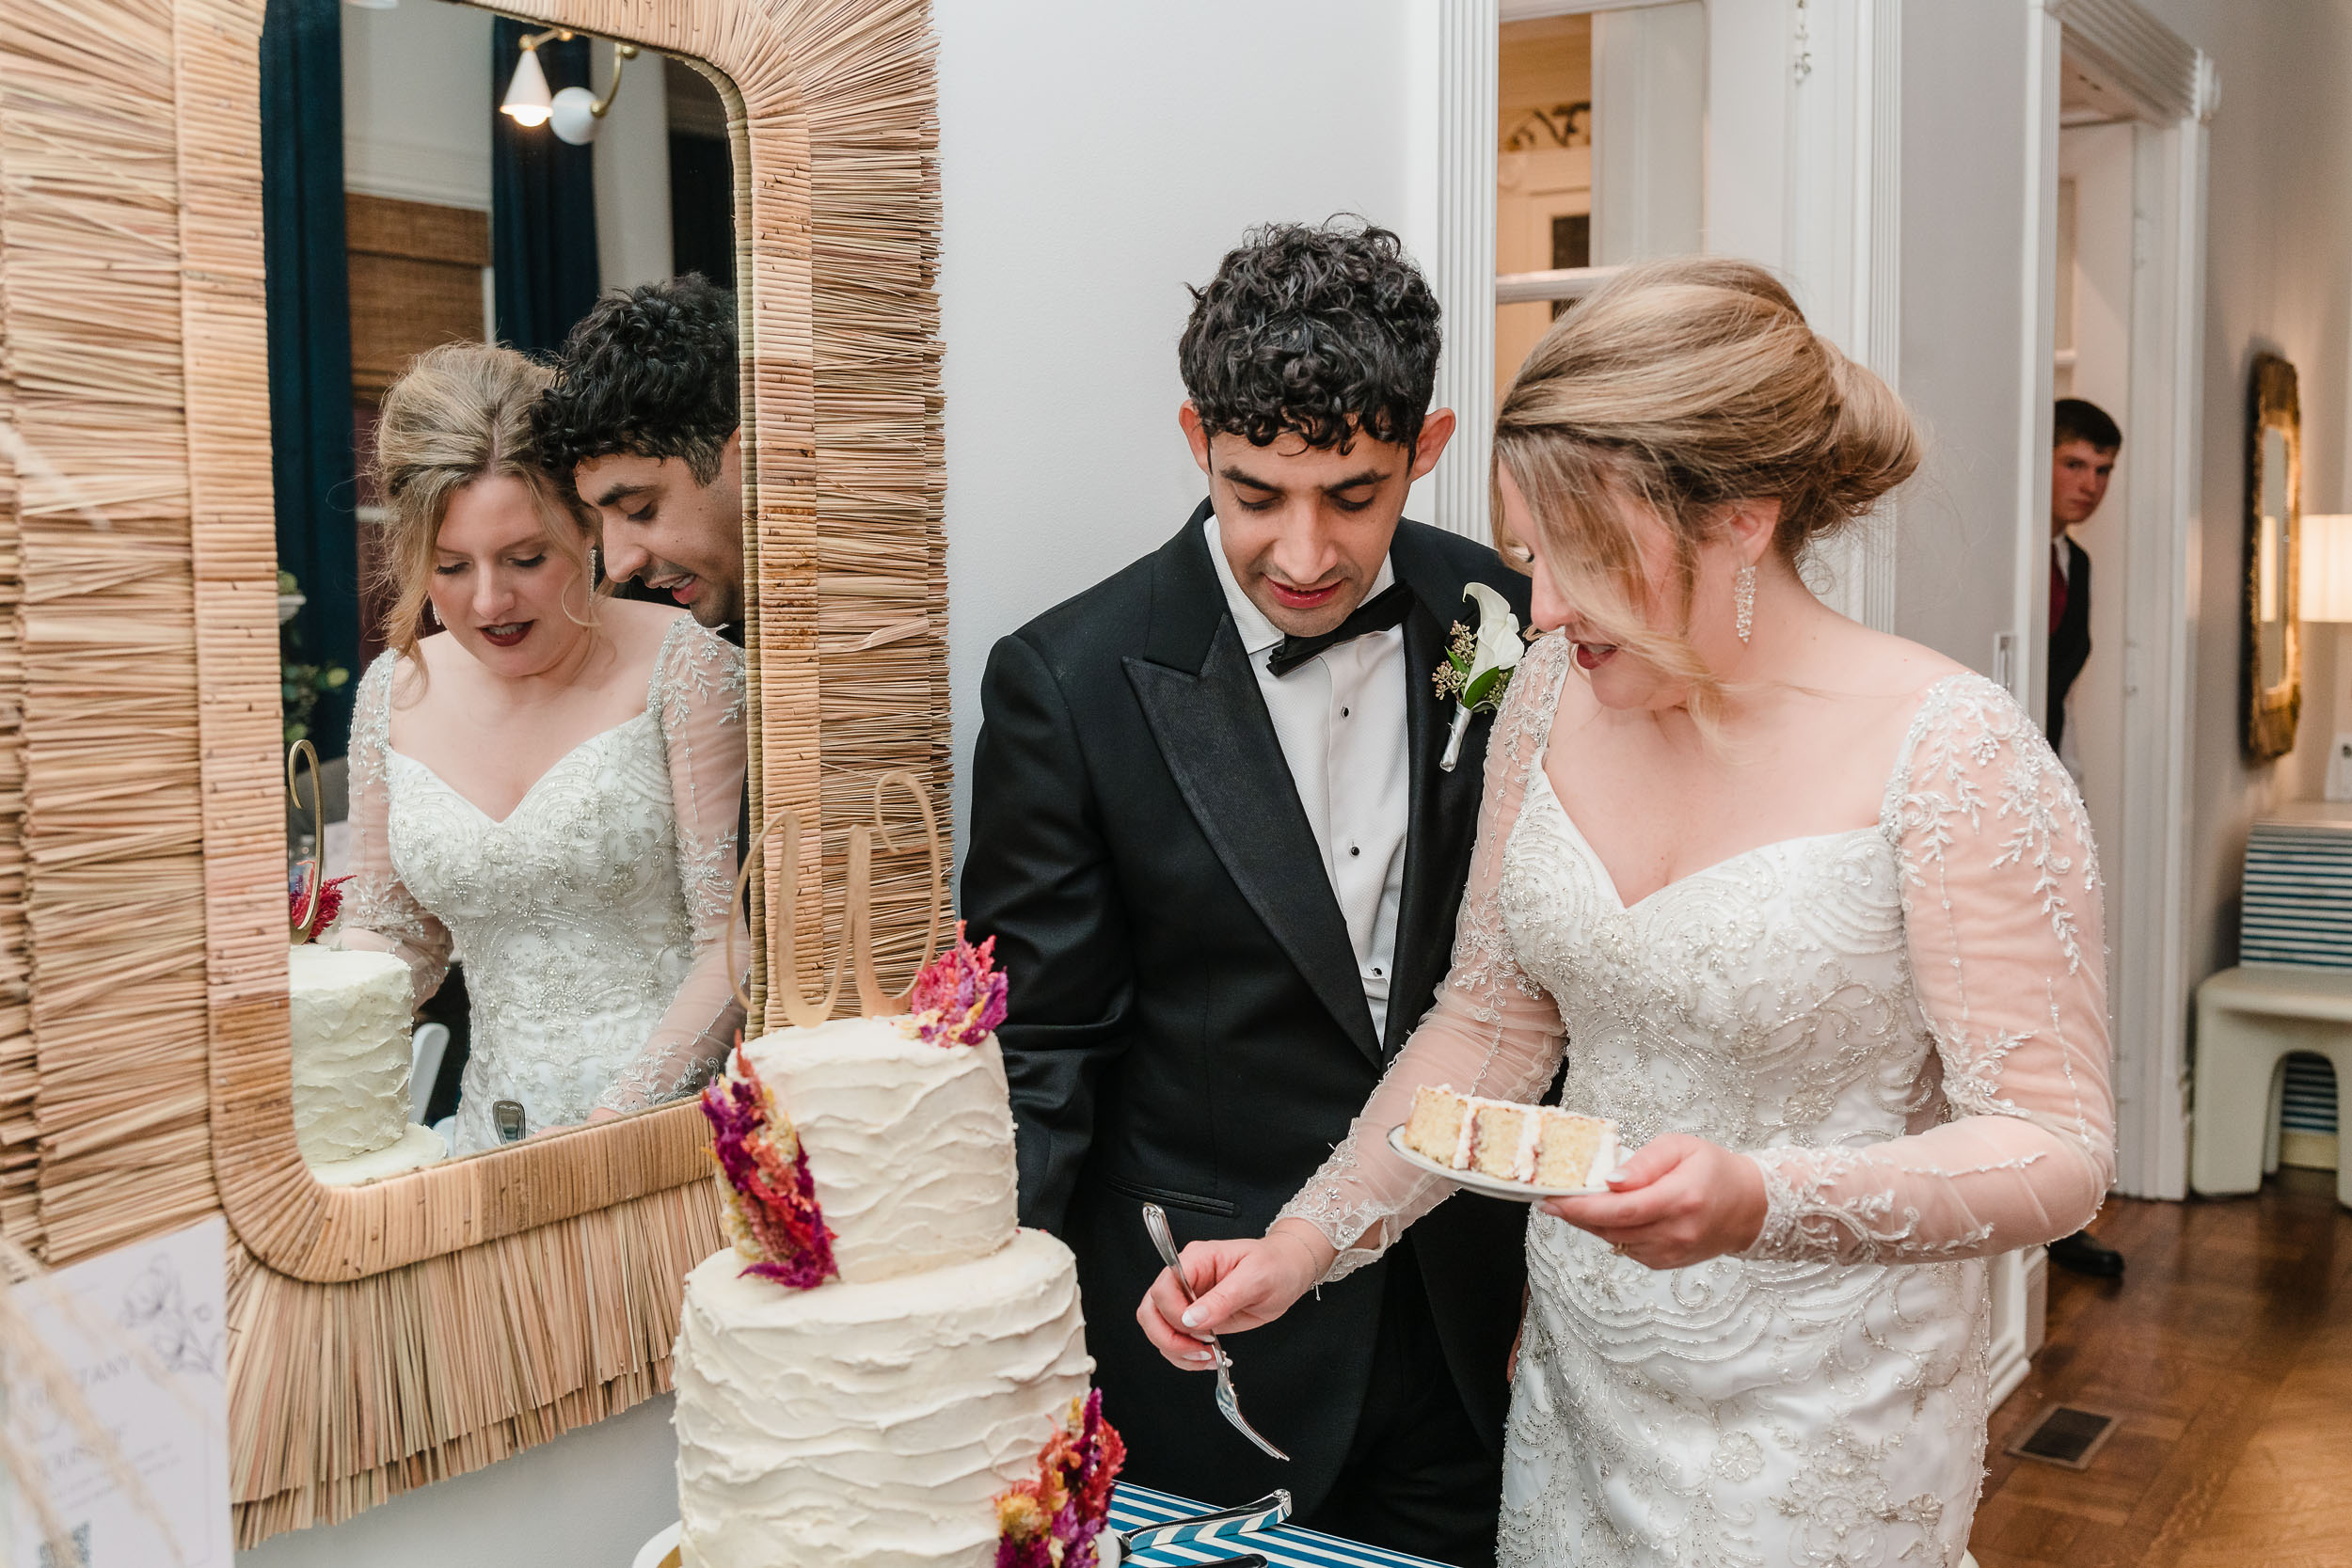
(389,1335)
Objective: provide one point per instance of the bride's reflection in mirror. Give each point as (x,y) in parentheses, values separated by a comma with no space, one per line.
(527,849)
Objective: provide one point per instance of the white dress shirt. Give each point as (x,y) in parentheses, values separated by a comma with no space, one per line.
(1340,718)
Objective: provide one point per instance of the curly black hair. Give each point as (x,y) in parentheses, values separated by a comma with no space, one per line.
(1324,332)
(649,371)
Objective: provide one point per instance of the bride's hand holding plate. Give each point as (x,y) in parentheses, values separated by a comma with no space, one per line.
(1681,1200)
(1243,1283)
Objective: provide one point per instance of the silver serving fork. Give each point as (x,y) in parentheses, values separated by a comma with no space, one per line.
(1155,1221)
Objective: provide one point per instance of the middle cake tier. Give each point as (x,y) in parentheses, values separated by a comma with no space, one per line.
(910,1144)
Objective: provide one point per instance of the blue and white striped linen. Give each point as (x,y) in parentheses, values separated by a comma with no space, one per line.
(2297,895)
(1283,1546)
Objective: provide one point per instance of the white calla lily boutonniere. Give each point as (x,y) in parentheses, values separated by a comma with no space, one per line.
(1478,665)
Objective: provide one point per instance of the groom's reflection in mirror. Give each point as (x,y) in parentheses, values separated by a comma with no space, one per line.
(642,418)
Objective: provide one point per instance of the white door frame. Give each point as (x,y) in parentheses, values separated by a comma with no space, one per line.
(2173,85)
(1804,172)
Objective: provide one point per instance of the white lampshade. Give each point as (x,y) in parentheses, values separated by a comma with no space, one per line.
(2327,569)
(528,101)
(573,116)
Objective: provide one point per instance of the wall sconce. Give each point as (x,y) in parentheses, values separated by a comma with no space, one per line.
(574,113)
(2325,594)
(2326,586)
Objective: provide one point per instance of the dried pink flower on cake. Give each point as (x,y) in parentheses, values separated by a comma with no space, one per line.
(771,1210)
(297,894)
(1051,1522)
(959,998)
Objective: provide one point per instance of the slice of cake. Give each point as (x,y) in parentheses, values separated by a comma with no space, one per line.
(1574,1151)
(1440,1124)
(1498,1135)
(1540,1145)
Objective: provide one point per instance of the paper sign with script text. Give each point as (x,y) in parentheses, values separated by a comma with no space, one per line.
(138,1331)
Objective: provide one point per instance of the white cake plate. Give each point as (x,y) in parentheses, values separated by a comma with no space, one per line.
(661,1551)
(1493,1186)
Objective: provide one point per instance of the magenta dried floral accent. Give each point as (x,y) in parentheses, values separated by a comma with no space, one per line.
(298,893)
(1051,1522)
(959,998)
(771,1211)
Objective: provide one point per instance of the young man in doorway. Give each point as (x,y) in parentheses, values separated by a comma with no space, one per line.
(2084,443)
(642,416)
(1221,864)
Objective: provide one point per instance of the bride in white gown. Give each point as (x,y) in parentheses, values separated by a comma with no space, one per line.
(1812,912)
(548,786)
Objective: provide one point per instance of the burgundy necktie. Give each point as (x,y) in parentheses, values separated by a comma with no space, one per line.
(2057,589)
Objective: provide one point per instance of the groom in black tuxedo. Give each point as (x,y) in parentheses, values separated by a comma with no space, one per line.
(1221,862)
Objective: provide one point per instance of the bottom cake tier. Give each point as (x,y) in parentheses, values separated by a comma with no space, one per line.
(870,1424)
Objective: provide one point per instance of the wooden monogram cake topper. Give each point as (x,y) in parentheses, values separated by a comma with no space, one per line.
(856,951)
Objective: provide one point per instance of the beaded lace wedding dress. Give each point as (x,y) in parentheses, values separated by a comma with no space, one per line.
(1904,1025)
(591,919)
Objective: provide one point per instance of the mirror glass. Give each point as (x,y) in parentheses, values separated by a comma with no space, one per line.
(502,405)
(2270,561)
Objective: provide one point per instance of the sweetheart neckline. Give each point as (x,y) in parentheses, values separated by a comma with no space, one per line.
(1601,866)
(524,800)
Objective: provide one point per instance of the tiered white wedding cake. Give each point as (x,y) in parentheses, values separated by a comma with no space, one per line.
(349,1017)
(883,1371)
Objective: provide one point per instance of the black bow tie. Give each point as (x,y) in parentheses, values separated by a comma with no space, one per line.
(1377,613)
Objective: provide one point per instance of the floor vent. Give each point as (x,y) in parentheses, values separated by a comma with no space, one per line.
(2065,1436)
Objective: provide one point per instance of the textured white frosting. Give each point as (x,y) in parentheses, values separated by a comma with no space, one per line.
(910,1144)
(870,1425)
(350,1022)
(416,1148)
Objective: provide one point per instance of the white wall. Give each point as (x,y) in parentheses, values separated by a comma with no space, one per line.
(589,1499)
(1095,159)
(2279,277)
(1964,96)
(417,102)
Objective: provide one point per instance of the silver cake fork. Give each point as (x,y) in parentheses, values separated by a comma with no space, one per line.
(1155,1221)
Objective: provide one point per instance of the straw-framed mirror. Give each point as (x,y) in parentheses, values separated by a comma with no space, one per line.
(142,705)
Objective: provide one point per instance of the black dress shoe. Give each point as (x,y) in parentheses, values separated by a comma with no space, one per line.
(2082,1252)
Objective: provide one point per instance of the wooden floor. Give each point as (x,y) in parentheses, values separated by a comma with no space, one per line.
(2227,1354)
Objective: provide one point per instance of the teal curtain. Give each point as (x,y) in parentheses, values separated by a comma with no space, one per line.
(308,297)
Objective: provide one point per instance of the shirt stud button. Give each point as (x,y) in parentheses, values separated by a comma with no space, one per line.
(1342,713)
(1353,850)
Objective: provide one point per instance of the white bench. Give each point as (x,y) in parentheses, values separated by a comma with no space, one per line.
(2249,1018)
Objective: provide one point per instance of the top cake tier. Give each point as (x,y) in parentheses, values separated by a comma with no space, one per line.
(908,1143)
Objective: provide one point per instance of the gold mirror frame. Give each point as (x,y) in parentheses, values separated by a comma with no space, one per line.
(386,1336)
(2273,403)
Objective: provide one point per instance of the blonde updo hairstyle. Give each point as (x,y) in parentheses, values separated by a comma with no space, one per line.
(1684,387)
(459,413)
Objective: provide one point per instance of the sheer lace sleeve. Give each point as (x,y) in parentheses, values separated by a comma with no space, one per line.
(697,696)
(1493,1031)
(378,913)
(2002,918)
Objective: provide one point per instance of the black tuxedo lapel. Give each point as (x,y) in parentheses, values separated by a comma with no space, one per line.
(1444,808)
(1200,699)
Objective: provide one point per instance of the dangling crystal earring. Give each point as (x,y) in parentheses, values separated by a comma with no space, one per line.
(595,566)
(1744,602)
